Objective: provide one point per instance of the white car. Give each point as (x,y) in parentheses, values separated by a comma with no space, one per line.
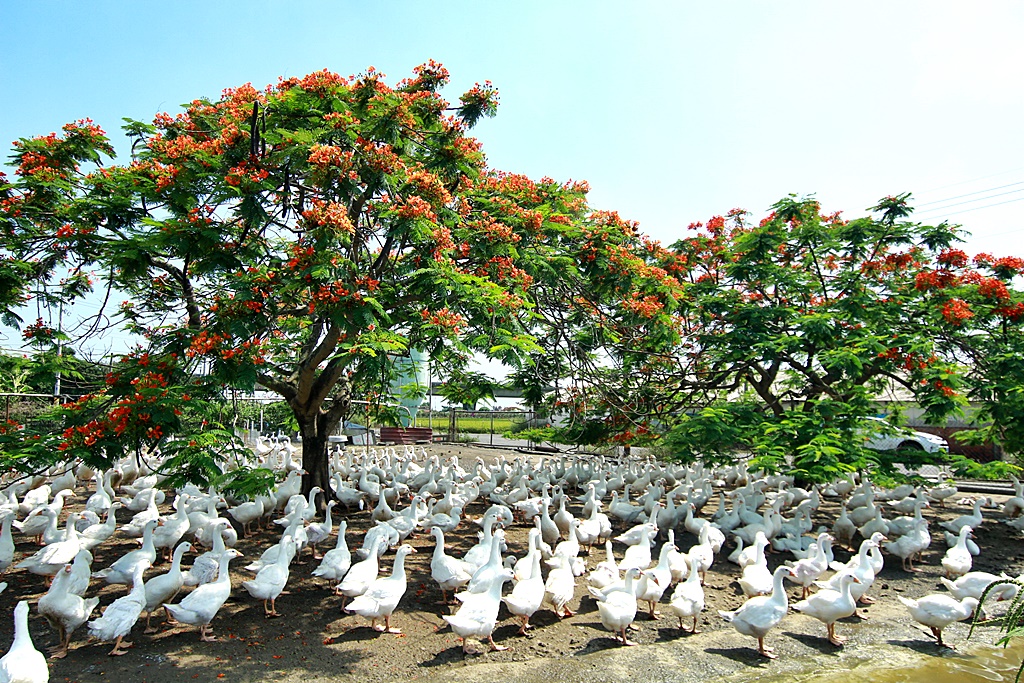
(902,438)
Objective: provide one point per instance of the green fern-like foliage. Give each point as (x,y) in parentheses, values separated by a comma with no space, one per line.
(1011,624)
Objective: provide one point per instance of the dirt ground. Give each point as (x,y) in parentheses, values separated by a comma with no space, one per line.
(315,641)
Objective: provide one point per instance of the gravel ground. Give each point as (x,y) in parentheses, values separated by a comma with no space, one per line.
(315,641)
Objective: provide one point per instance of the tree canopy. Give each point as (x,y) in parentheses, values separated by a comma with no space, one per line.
(298,238)
(303,236)
(791,326)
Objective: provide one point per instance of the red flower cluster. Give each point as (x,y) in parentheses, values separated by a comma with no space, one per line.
(646,307)
(444,319)
(1012,313)
(331,293)
(956,311)
(205,343)
(1008,266)
(954,258)
(39,331)
(928,280)
(329,214)
(993,288)
(497,232)
(241,173)
(417,207)
(323,156)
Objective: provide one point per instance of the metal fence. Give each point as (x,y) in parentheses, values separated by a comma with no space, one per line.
(32,410)
(491,427)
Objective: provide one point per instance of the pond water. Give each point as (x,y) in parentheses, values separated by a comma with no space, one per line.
(979,664)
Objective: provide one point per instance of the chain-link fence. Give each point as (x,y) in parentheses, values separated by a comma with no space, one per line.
(489,427)
(35,411)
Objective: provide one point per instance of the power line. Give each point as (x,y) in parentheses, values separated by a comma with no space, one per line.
(987,206)
(940,209)
(969,194)
(972,180)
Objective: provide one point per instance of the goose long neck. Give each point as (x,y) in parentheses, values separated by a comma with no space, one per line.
(488,527)
(778,592)
(22,636)
(865,548)
(398,571)
(138,591)
(176,558)
(218,540)
(222,572)
(495,550)
(845,589)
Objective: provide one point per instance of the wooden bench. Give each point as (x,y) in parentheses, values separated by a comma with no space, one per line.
(406,435)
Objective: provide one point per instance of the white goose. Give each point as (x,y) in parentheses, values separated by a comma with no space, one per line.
(617,606)
(205,567)
(165,587)
(23,663)
(65,611)
(94,534)
(528,594)
(688,600)
(809,570)
(121,615)
(122,570)
(756,578)
(337,560)
(560,586)
(972,520)
(170,531)
(957,561)
(759,615)
(606,572)
(653,582)
(318,532)
(937,611)
(382,596)
(201,605)
(272,578)
(6,542)
(478,614)
(361,574)
(973,584)
(829,606)
(449,572)
(51,559)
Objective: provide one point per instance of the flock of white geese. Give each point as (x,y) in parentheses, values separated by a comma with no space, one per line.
(570,503)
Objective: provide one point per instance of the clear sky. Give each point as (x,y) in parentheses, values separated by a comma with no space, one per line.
(673,111)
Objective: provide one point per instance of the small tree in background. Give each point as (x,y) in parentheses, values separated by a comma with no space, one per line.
(812,316)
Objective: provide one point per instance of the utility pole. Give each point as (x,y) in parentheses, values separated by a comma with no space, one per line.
(60,347)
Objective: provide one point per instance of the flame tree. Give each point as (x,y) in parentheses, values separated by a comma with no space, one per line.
(792,325)
(295,238)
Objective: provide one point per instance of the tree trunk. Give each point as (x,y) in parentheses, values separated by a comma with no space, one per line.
(315,459)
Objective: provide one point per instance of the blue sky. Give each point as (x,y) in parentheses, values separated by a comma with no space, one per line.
(673,111)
